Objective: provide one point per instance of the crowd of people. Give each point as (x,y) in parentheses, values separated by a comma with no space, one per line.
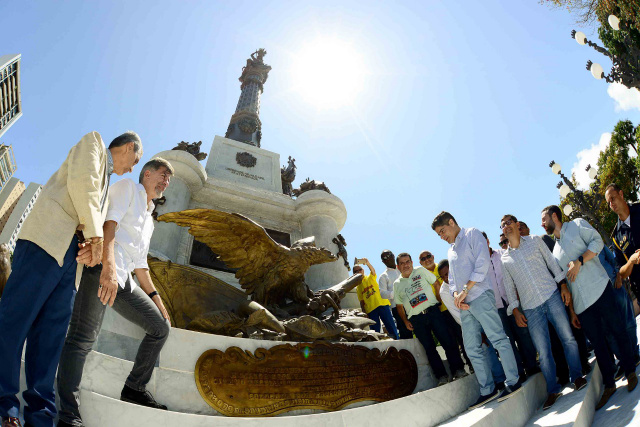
(536,304)
(83,232)
(493,309)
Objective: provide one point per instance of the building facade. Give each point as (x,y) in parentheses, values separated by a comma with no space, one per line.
(19,213)
(10,99)
(9,197)
(7,164)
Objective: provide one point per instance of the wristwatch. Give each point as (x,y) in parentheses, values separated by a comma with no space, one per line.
(465,289)
(581,259)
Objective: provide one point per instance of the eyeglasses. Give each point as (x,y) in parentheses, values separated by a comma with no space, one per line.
(357,270)
(387,255)
(504,242)
(426,257)
(506,223)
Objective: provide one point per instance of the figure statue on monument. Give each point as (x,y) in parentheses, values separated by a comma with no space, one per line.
(193,149)
(288,175)
(342,251)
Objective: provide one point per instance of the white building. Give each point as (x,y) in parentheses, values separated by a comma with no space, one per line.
(20,212)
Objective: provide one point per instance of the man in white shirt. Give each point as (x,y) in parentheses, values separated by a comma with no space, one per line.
(127,233)
(385,282)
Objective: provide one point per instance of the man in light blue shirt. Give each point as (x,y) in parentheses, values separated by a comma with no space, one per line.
(593,301)
(472,290)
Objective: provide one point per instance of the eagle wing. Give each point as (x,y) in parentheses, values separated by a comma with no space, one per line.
(238,241)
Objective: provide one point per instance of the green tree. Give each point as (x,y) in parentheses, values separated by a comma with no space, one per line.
(615,165)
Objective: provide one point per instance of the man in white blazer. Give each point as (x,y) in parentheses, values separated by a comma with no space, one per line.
(38,298)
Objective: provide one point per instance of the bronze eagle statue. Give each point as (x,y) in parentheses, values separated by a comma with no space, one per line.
(268,271)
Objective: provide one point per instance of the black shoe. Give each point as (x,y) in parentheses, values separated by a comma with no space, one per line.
(608,392)
(500,386)
(551,399)
(509,391)
(579,383)
(482,400)
(143,398)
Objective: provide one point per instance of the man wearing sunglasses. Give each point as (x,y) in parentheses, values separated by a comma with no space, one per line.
(385,281)
(504,243)
(524,352)
(530,276)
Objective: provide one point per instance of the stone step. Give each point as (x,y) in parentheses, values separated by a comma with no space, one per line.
(514,411)
(423,409)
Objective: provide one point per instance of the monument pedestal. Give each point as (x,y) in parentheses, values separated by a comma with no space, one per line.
(241,178)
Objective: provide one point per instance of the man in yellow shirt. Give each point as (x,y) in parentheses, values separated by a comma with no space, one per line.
(376,307)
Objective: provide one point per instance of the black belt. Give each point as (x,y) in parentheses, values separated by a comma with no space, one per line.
(435,307)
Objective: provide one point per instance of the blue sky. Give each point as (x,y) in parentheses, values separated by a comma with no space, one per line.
(462,105)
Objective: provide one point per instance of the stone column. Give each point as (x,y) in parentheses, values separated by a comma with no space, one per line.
(245,125)
(322,215)
(189,178)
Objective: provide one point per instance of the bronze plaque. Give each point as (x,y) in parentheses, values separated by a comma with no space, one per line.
(306,375)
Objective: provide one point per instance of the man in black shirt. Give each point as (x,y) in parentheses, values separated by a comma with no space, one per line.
(626,236)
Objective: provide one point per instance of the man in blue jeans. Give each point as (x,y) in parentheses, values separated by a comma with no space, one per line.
(468,266)
(528,266)
(37,300)
(593,302)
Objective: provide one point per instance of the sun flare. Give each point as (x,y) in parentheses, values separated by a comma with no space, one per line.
(328,72)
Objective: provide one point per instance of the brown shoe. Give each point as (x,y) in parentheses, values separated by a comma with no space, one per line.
(608,392)
(579,383)
(11,422)
(632,381)
(551,400)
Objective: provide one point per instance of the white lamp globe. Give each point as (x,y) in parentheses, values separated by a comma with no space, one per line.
(593,173)
(556,168)
(614,22)
(567,210)
(564,191)
(581,38)
(596,70)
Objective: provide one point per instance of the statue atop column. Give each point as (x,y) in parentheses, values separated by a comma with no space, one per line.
(245,125)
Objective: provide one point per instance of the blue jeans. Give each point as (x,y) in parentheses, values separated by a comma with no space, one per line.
(603,319)
(483,315)
(526,352)
(538,319)
(36,306)
(625,307)
(383,312)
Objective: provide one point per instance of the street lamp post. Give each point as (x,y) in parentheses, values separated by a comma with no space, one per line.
(585,207)
(626,66)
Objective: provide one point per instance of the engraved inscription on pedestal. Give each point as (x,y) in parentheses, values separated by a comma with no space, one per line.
(313,376)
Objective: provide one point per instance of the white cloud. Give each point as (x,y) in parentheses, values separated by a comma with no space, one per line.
(626,99)
(589,156)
